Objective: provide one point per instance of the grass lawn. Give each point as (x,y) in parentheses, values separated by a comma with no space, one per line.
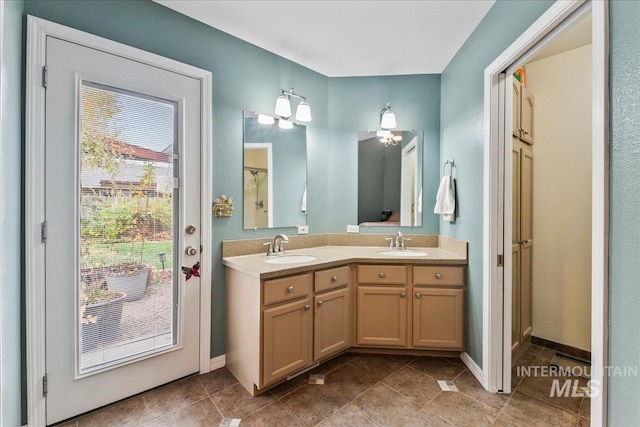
(100,254)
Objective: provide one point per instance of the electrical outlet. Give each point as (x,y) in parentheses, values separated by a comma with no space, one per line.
(303,229)
(353,228)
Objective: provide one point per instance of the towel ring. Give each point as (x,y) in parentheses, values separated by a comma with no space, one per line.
(451,164)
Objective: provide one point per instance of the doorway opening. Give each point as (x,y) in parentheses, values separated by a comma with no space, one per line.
(503,279)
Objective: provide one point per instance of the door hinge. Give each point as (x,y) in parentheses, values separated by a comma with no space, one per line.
(45,385)
(45,77)
(43,232)
(500,260)
(176,182)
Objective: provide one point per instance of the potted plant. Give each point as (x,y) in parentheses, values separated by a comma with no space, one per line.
(100,313)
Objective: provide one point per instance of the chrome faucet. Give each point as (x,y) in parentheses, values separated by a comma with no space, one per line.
(401,241)
(279,247)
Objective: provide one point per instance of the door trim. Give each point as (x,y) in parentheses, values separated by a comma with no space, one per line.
(492,317)
(37,31)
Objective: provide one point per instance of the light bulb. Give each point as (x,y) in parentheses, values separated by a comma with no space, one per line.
(263,119)
(285,124)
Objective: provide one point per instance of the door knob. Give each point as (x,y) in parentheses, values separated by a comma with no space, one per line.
(190,250)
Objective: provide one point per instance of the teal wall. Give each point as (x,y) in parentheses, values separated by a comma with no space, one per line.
(11,213)
(624,240)
(354,105)
(462,133)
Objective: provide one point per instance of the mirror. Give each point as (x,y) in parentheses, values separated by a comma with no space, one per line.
(275,172)
(390,178)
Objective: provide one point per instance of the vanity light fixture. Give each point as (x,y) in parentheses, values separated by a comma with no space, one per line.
(387,118)
(283,106)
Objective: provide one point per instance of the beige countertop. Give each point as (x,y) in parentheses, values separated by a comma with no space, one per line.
(335,256)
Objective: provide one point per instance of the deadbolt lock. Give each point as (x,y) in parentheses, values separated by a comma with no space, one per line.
(190,229)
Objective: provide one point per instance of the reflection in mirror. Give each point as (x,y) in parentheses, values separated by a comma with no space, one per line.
(275,172)
(390,178)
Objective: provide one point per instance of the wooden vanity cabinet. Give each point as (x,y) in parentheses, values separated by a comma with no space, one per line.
(332,314)
(287,326)
(382,306)
(438,307)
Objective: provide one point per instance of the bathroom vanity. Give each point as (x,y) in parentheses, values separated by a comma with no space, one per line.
(283,318)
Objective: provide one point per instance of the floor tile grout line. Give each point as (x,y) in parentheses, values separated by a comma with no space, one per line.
(551,404)
(216,406)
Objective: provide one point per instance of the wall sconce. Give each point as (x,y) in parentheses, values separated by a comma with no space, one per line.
(283,106)
(387,118)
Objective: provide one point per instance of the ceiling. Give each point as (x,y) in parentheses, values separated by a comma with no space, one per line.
(577,35)
(348,38)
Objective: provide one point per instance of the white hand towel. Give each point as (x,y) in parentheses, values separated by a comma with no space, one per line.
(303,205)
(446,199)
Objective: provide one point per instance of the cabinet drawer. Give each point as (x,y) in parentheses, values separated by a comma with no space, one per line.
(382,274)
(287,288)
(439,276)
(332,278)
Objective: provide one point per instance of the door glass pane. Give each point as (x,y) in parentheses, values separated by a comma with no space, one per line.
(127,277)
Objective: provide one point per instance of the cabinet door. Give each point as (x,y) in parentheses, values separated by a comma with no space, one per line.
(382,316)
(438,318)
(287,339)
(331,323)
(526,116)
(517,95)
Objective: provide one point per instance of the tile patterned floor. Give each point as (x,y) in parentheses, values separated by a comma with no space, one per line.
(360,390)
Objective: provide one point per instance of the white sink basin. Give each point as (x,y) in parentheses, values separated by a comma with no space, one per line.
(402,253)
(290,259)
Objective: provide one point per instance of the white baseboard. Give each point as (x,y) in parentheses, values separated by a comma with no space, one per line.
(217,362)
(474,368)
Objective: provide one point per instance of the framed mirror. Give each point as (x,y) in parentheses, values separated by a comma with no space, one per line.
(275,172)
(390,178)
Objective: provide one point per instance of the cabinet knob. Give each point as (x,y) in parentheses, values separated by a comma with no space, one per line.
(320,303)
(334,279)
(307,307)
(381,274)
(418,295)
(290,289)
(403,295)
(438,275)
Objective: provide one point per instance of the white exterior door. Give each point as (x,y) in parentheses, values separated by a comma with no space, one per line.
(122,208)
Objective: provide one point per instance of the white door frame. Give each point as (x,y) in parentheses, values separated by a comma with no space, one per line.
(37,31)
(2,124)
(495,129)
